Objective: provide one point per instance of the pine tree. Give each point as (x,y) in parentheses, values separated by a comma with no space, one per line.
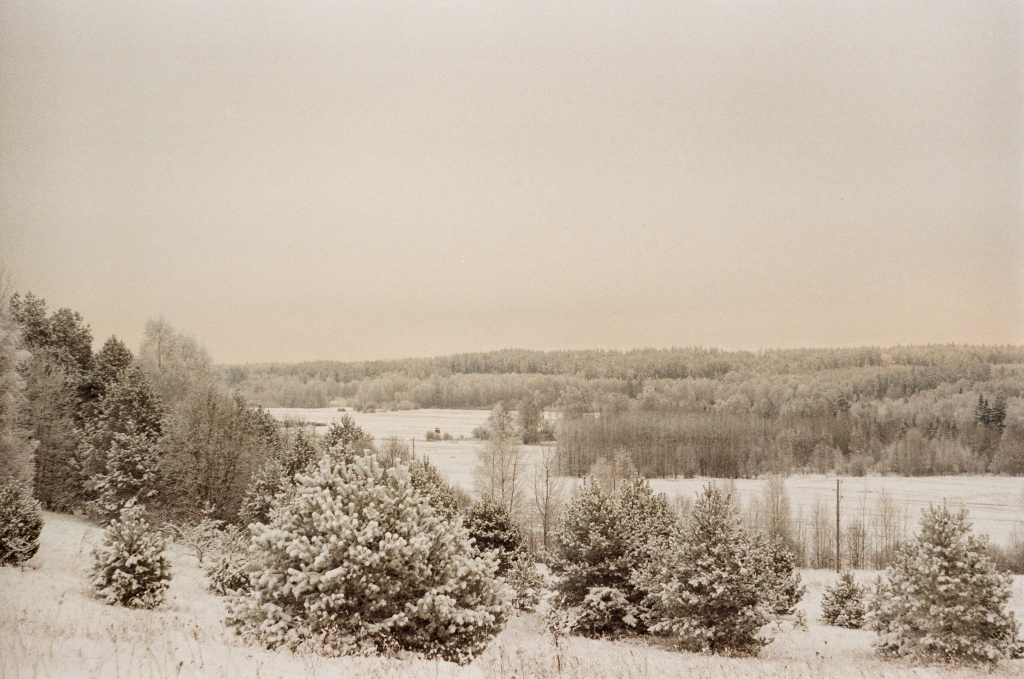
(129,473)
(943,598)
(129,567)
(493,530)
(602,543)
(357,560)
(704,590)
(842,604)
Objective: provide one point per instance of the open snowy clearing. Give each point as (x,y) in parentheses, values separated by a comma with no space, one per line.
(995,503)
(50,626)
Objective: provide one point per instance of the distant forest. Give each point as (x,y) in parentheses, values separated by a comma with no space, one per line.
(916,410)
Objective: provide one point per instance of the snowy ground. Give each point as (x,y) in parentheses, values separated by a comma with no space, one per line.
(50,626)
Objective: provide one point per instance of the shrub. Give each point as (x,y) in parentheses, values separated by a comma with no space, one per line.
(129,567)
(492,529)
(943,598)
(704,587)
(356,560)
(230,563)
(199,536)
(843,603)
(21,522)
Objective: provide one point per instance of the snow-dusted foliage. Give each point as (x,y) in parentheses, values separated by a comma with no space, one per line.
(842,604)
(775,566)
(494,530)
(527,583)
(128,473)
(229,562)
(356,560)
(601,543)
(21,522)
(129,567)
(943,598)
(704,587)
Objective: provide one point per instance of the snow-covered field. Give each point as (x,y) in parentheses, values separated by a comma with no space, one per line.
(51,627)
(995,503)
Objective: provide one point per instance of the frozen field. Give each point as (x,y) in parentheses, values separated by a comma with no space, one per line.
(52,627)
(996,503)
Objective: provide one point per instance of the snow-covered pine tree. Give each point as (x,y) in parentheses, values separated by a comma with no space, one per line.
(704,589)
(842,604)
(130,567)
(943,598)
(356,560)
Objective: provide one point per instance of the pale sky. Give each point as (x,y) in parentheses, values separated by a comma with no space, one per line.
(356,180)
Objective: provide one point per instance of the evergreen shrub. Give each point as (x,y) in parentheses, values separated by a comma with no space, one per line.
(21,523)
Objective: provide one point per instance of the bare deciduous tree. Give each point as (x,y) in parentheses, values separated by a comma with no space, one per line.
(177,362)
(500,474)
(549,491)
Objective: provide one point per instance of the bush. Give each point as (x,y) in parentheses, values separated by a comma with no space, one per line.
(843,603)
(356,560)
(130,568)
(943,598)
(492,529)
(21,522)
(230,563)
(704,588)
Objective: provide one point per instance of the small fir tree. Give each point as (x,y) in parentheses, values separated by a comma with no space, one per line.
(21,523)
(130,567)
(842,604)
(943,598)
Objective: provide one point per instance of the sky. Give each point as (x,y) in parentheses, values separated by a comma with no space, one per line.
(348,180)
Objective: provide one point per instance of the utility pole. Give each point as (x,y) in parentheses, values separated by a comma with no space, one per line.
(838,554)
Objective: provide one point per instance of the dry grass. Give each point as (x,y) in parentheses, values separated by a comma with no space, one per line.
(50,626)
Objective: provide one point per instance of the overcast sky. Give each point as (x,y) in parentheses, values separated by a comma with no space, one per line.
(348,180)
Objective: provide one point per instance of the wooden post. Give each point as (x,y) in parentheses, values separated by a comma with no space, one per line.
(414,448)
(838,554)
